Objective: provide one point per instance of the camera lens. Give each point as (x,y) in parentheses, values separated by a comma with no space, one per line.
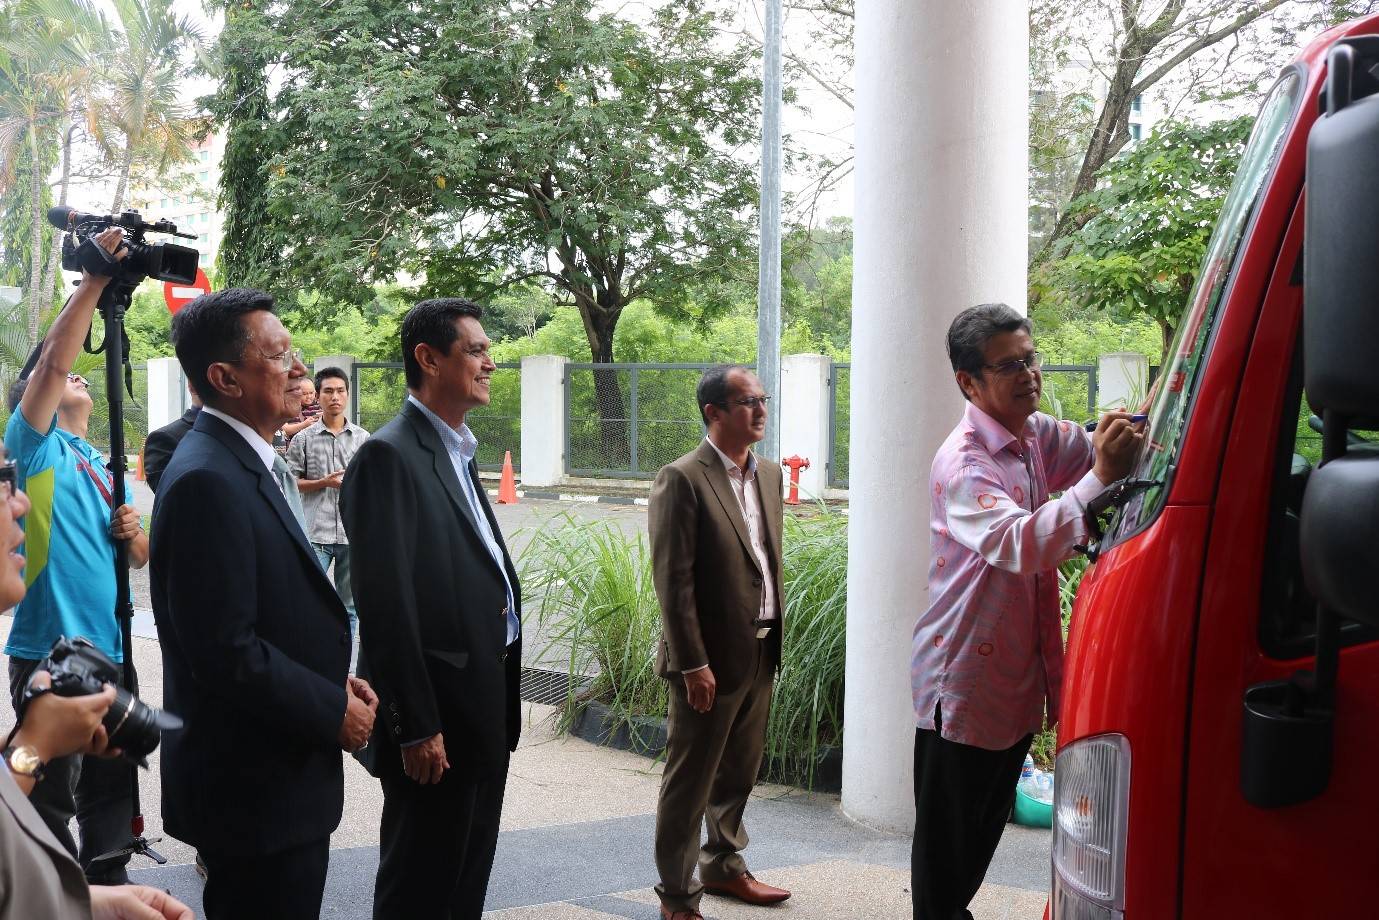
(135,727)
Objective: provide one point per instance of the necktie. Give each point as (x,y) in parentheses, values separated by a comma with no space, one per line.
(288,483)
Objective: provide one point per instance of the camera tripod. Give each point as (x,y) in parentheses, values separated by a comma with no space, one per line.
(112,306)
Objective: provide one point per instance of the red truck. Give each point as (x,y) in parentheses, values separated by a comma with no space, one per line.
(1219,744)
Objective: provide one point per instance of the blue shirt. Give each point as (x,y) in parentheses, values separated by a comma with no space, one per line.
(69,557)
(461,446)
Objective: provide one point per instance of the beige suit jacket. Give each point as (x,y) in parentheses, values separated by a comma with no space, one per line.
(38,878)
(707,579)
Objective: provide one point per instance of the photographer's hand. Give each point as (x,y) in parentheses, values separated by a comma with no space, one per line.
(125,524)
(111,239)
(136,902)
(55,726)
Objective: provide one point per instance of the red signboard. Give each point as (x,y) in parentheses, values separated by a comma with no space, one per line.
(179,295)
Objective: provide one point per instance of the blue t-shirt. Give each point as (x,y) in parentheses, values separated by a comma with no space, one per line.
(69,556)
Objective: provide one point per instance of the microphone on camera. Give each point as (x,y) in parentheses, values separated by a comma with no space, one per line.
(65,218)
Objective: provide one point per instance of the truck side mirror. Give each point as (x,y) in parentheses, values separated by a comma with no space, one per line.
(1340,537)
(1289,725)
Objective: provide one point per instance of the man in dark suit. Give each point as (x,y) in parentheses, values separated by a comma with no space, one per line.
(160,443)
(255,641)
(439,624)
(715,525)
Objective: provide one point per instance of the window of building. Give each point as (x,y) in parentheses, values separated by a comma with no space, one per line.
(204,175)
(1135,104)
(205,155)
(1136,129)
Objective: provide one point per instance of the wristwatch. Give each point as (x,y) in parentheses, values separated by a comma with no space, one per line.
(23,760)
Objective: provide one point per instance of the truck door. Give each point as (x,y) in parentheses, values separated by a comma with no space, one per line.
(1315,858)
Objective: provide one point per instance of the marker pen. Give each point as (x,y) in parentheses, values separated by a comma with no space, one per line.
(1134,420)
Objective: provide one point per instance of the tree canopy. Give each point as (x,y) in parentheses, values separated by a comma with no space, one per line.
(475,144)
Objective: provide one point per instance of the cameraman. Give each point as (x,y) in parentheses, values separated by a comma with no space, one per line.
(38,878)
(69,541)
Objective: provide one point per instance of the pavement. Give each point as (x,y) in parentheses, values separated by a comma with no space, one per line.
(578,821)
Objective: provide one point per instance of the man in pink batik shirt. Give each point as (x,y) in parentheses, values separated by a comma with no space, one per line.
(988,653)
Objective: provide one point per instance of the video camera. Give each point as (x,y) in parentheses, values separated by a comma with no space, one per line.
(164,261)
(80,669)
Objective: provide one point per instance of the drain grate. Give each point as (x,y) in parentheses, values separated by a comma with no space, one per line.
(549,688)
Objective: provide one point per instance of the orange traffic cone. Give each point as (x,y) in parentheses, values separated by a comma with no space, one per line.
(139,469)
(507,486)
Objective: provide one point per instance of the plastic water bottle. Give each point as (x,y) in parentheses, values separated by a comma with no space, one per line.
(1027,770)
(1042,790)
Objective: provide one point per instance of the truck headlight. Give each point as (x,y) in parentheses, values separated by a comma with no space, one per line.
(1091,804)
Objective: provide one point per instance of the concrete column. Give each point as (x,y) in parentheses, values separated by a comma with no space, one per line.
(803,413)
(166,392)
(940,219)
(346,364)
(543,420)
(1122,380)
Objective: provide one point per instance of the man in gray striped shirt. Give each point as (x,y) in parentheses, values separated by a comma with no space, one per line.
(318,456)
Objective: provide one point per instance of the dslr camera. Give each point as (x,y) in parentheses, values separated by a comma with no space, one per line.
(164,261)
(80,669)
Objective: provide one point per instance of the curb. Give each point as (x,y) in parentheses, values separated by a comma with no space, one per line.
(585,499)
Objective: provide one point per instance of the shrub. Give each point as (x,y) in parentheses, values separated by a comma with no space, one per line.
(588,588)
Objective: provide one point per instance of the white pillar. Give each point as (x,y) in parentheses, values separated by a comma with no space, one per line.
(940,218)
(166,390)
(346,364)
(1122,380)
(804,404)
(543,420)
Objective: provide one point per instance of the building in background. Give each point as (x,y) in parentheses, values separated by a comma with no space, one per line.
(188,198)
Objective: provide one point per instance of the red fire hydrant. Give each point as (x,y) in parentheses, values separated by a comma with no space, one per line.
(795,464)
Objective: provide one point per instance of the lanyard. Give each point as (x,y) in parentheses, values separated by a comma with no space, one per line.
(85,465)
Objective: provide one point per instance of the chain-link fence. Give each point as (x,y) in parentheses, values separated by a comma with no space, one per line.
(839,424)
(381,387)
(629,419)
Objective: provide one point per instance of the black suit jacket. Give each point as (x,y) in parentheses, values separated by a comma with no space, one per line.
(256,651)
(431,602)
(160,444)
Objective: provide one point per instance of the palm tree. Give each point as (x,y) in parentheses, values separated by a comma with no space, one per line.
(47,48)
(137,116)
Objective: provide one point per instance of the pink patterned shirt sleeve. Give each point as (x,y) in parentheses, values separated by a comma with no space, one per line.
(989,650)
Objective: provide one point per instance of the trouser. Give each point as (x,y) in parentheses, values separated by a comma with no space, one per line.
(963,797)
(95,790)
(286,885)
(712,761)
(340,552)
(436,846)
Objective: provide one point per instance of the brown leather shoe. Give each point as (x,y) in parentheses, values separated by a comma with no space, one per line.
(668,914)
(746,888)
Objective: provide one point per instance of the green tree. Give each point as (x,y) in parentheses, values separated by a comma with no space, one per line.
(459,140)
(1147,225)
(46,48)
(136,114)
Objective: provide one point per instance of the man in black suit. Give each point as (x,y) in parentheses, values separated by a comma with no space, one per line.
(255,641)
(160,443)
(439,624)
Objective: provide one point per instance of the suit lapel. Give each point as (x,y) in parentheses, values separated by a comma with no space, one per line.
(717,475)
(268,485)
(430,439)
(768,487)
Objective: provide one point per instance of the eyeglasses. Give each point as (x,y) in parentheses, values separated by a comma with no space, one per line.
(285,359)
(750,402)
(79,379)
(1018,366)
(9,473)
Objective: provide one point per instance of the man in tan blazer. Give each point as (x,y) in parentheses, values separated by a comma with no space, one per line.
(715,522)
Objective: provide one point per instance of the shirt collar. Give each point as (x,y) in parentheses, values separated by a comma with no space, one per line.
(259,445)
(994,436)
(462,441)
(730,466)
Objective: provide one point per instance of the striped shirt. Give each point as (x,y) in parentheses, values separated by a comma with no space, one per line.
(314,453)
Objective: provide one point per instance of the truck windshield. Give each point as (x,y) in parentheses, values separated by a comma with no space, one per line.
(1178,383)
